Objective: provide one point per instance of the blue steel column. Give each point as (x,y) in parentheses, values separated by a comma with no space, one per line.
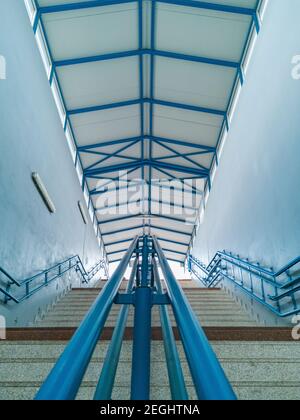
(140,377)
(208,376)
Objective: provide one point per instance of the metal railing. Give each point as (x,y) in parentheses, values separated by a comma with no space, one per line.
(65,378)
(279,291)
(18,291)
(208,376)
(143,291)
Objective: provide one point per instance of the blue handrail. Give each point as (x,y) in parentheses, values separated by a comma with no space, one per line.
(208,376)
(175,373)
(210,381)
(44,278)
(106,381)
(65,378)
(261,284)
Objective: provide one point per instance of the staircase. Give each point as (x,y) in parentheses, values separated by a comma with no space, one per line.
(265,369)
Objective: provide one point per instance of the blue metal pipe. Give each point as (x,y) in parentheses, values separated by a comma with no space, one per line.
(140,377)
(145,262)
(65,378)
(107,378)
(176,378)
(209,378)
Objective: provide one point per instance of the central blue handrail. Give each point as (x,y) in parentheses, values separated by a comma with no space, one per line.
(45,277)
(209,378)
(276,290)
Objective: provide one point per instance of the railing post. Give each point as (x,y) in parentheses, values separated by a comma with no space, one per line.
(65,378)
(208,376)
(140,377)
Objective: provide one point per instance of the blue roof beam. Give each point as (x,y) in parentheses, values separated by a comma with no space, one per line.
(57,8)
(163,239)
(200,173)
(164,229)
(164,249)
(87,148)
(139,200)
(160,102)
(142,216)
(123,218)
(132,184)
(209,149)
(151,52)
(198,145)
(188,3)
(217,7)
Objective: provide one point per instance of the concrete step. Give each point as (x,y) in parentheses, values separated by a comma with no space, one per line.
(213,308)
(256,370)
(155,317)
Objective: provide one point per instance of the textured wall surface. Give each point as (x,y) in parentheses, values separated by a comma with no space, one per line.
(32,139)
(254,205)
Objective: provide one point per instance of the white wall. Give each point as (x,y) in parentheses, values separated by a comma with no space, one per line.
(254,205)
(32,139)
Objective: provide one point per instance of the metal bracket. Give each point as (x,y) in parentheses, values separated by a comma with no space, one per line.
(124,299)
(129,299)
(160,299)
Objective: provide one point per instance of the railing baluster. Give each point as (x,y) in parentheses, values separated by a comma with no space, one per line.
(264,277)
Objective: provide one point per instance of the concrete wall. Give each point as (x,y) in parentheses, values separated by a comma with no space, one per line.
(32,139)
(254,205)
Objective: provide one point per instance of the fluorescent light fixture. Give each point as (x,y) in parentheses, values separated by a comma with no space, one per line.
(82,212)
(43,192)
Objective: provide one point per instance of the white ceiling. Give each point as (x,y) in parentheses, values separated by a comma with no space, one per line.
(162,86)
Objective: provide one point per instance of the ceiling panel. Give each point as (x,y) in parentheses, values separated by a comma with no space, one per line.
(192,83)
(105,29)
(201,32)
(113,124)
(192,126)
(92,84)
